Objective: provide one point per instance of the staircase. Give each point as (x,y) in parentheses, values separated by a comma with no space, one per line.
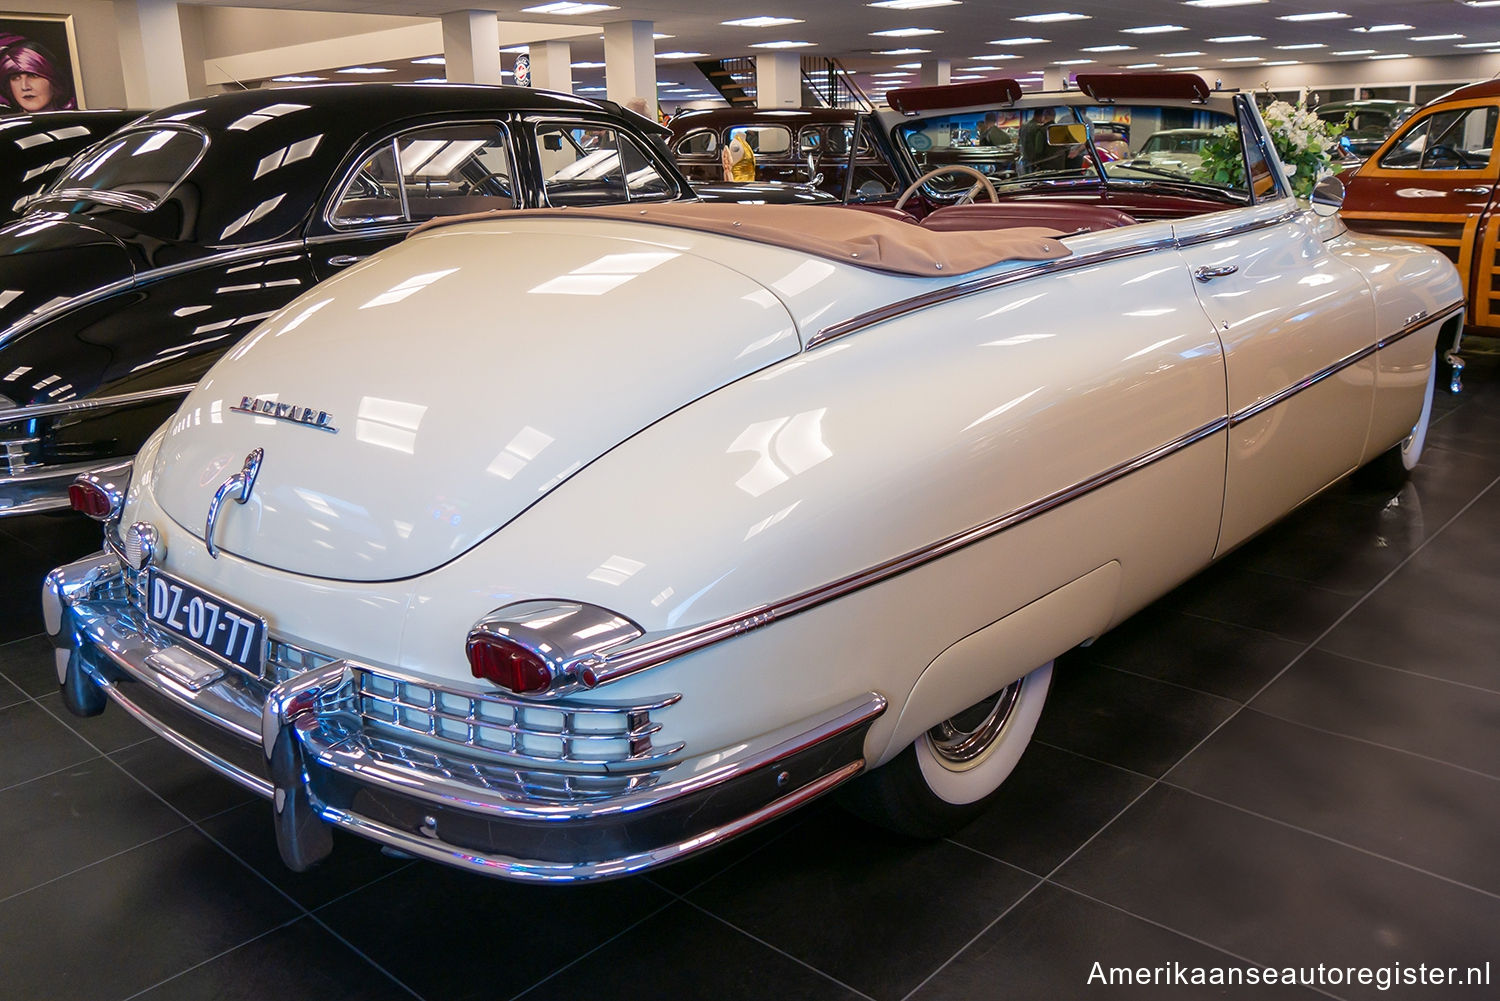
(826,83)
(734,79)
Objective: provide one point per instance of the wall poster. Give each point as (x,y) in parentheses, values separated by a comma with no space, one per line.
(38,63)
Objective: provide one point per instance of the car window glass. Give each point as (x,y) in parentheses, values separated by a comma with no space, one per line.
(1262,180)
(1459,139)
(140,166)
(642,179)
(764,140)
(434,171)
(702,143)
(581,165)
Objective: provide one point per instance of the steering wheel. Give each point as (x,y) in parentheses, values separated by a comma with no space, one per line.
(1442,151)
(968,196)
(476,185)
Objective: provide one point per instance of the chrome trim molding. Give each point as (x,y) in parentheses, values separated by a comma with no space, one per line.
(631,659)
(550,629)
(1238,229)
(38,317)
(1255,409)
(93,403)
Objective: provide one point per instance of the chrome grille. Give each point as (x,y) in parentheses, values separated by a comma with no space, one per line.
(581,736)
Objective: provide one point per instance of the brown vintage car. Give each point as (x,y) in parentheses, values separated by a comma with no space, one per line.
(1434,182)
(806,146)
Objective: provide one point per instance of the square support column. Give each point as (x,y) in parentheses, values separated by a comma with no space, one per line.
(630,62)
(935,72)
(552,66)
(778,80)
(151,53)
(471,46)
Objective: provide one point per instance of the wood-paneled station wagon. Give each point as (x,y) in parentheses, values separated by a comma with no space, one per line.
(1434,182)
(153,255)
(488,550)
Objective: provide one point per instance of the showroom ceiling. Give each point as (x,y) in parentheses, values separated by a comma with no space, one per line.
(988,38)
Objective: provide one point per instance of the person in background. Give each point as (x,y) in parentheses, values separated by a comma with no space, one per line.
(33,81)
(990,132)
(1035,153)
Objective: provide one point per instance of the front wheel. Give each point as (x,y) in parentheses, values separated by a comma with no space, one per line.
(949,775)
(1393,467)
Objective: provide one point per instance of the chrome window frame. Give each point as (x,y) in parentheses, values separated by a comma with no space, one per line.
(673,192)
(40,197)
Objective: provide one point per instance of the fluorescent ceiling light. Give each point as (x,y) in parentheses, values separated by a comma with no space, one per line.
(1222,3)
(901,52)
(892,73)
(1480,3)
(364,69)
(297,79)
(906,32)
(1231,39)
(1327,15)
(1393,55)
(966,78)
(1282,62)
(1436,38)
(1477,45)
(1025,40)
(668,83)
(1303,45)
(567,8)
(998,56)
(1353,52)
(782,45)
(1383,27)
(908,66)
(430,61)
(1072,62)
(1242,59)
(1184,69)
(1180,55)
(1108,48)
(913,4)
(681,55)
(762,22)
(513,49)
(587,66)
(432,79)
(1154,29)
(1142,66)
(1051,18)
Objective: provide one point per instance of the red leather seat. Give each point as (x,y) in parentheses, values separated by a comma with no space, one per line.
(1070,217)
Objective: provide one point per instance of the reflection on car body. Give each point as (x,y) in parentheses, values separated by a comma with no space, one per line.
(553,635)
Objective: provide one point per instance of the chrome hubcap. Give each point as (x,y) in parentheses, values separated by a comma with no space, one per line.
(968,735)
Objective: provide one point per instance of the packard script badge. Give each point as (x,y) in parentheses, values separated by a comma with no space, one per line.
(290,412)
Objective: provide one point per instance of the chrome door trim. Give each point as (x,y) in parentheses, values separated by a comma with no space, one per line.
(37,317)
(1259,407)
(1238,229)
(630,659)
(93,403)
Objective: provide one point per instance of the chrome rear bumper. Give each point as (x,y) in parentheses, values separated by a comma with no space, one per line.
(302,745)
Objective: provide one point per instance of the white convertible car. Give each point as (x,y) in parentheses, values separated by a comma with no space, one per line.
(560,544)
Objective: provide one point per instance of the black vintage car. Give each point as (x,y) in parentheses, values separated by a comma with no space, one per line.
(164,245)
(33,148)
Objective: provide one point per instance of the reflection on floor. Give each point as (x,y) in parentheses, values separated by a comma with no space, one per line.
(1289,761)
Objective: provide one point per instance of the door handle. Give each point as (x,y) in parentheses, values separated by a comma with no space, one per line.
(1207,274)
(344,260)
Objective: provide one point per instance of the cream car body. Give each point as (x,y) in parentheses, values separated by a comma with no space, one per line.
(847,508)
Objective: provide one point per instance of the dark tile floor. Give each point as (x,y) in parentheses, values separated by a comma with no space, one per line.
(1292,760)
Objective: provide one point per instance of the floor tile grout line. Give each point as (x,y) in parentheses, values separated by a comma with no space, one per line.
(96,862)
(977,936)
(339,937)
(776,949)
(672,899)
(1179,933)
(1163,681)
(1098,761)
(257,874)
(1372,743)
(1331,840)
(1336,623)
(360,888)
(1409,672)
(216,956)
(56,771)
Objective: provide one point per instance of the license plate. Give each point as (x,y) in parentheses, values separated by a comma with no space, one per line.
(207,621)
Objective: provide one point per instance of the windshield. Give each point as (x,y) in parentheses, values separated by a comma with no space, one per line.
(134,170)
(1117,142)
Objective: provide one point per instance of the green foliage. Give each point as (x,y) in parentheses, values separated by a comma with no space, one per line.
(1305,143)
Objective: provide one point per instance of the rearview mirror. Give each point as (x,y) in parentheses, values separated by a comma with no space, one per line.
(1067,135)
(552,142)
(1327,196)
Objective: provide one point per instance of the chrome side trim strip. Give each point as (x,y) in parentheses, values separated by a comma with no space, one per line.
(93,403)
(631,659)
(977,285)
(38,317)
(1239,229)
(1255,409)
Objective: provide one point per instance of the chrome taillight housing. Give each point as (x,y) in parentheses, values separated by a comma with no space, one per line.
(97,497)
(533,647)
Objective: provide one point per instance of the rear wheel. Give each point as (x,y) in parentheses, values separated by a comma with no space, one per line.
(948,776)
(1393,467)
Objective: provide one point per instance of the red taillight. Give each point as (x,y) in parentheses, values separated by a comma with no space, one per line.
(507,664)
(91,499)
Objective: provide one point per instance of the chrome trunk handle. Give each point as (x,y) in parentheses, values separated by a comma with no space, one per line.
(237,488)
